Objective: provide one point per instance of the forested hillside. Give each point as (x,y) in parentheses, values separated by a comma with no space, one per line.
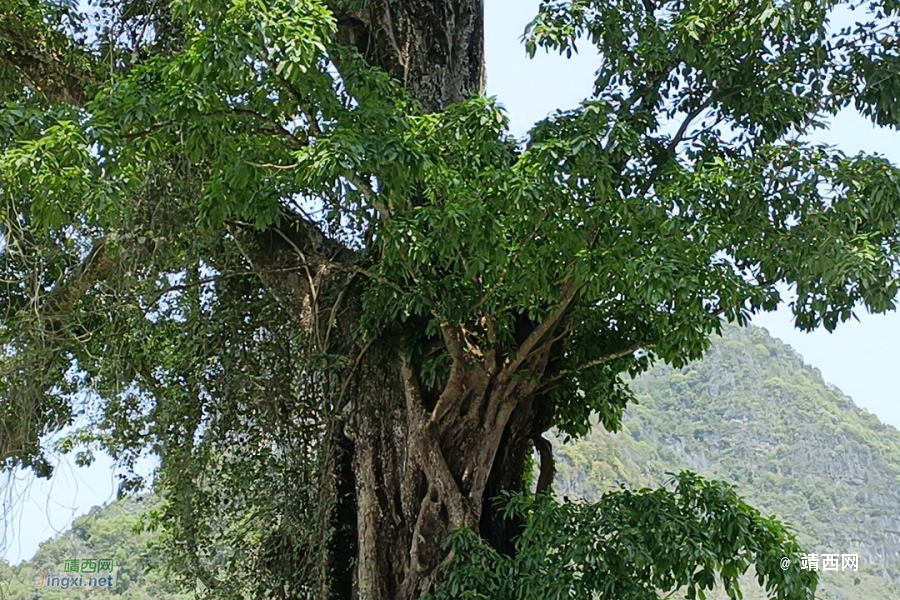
(751,413)
(110,532)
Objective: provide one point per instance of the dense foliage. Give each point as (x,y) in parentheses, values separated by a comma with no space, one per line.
(291,248)
(624,547)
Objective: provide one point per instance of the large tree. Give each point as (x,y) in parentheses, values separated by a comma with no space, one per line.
(290,247)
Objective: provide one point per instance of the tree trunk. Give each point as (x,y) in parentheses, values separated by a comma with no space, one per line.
(417,479)
(426,462)
(434,47)
(383,482)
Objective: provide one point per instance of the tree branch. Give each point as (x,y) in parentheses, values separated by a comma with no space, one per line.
(57,82)
(673,144)
(426,449)
(515,257)
(569,291)
(98,265)
(454,386)
(600,360)
(548,465)
(273,128)
(265,258)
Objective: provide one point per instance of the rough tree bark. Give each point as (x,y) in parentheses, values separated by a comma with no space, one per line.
(417,477)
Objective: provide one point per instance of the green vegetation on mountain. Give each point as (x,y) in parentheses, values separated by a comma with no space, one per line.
(110,532)
(752,413)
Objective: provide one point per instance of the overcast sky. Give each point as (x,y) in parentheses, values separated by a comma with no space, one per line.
(860,358)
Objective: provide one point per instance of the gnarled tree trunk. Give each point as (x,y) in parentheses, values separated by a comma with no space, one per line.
(420,474)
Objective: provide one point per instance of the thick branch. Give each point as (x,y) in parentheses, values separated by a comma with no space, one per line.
(288,257)
(427,452)
(291,289)
(270,128)
(98,265)
(454,387)
(600,360)
(56,83)
(669,152)
(46,59)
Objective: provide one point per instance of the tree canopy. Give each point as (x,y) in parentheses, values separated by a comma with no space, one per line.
(290,247)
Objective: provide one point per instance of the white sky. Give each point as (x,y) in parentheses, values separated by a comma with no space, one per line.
(860,358)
